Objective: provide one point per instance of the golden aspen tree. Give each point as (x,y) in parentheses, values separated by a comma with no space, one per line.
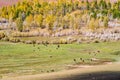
(38,19)
(91,24)
(19,24)
(105,22)
(29,20)
(49,20)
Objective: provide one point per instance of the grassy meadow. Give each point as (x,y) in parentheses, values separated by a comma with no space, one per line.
(20,59)
(39,37)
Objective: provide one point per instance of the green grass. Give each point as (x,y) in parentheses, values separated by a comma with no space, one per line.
(19,59)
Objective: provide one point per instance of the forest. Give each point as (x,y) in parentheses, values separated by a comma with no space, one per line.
(66,14)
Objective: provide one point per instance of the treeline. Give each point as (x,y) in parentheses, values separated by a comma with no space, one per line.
(61,14)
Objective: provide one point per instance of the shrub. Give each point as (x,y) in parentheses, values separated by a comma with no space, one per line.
(38,42)
(19,23)
(54,42)
(28,42)
(63,41)
(33,42)
(14,40)
(2,35)
(96,41)
(5,39)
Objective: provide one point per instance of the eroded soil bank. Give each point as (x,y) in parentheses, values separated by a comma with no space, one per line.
(101,72)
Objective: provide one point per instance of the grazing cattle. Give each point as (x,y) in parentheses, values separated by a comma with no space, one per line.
(38,47)
(42,71)
(81,59)
(52,70)
(33,50)
(89,53)
(51,56)
(58,46)
(74,60)
(98,51)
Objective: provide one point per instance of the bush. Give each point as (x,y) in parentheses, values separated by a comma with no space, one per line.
(14,40)
(38,42)
(28,42)
(63,41)
(5,39)
(2,35)
(96,41)
(54,42)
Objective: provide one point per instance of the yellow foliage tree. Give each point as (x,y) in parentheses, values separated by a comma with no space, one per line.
(29,20)
(49,21)
(38,19)
(19,24)
(105,22)
(91,24)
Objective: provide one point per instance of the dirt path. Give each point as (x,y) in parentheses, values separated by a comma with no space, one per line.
(100,72)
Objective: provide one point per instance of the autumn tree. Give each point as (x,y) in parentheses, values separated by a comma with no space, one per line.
(38,19)
(49,21)
(93,24)
(106,22)
(28,21)
(19,24)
